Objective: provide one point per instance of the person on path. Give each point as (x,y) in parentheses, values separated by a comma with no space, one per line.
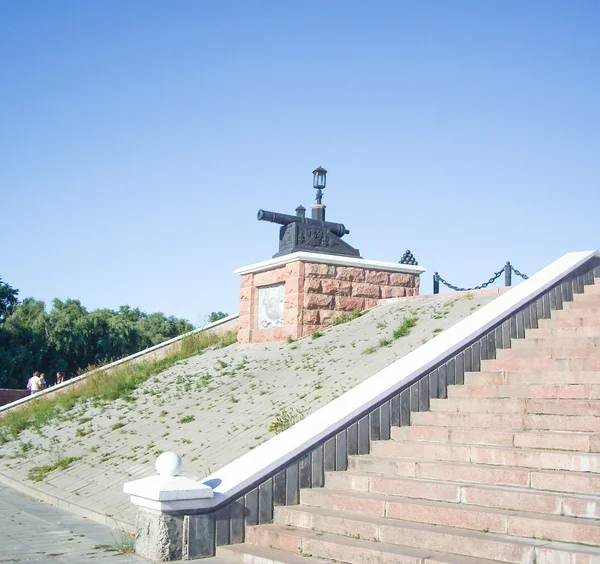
(34,384)
(42,381)
(59,378)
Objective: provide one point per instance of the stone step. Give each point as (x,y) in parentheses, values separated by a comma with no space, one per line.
(347,549)
(491,496)
(538,391)
(557,341)
(519,422)
(541,364)
(547,440)
(531,350)
(513,376)
(447,514)
(490,455)
(564,332)
(475,544)
(560,314)
(549,480)
(246,553)
(516,405)
(582,301)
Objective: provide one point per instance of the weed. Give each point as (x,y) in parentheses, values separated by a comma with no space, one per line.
(317,334)
(370,350)
(124,543)
(39,473)
(437,330)
(345,317)
(385,342)
(187,419)
(117,426)
(404,330)
(289,340)
(286,419)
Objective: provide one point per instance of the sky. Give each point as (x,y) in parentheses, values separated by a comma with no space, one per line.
(138,139)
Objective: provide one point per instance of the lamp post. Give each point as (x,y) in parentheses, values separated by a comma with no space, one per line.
(319,180)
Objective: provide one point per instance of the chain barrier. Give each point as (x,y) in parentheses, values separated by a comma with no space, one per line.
(523,276)
(497,275)
(484,285)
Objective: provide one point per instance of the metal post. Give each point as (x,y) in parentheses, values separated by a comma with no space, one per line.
(507,274)
(436,283)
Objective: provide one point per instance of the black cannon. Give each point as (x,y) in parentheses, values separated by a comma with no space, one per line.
(338,229)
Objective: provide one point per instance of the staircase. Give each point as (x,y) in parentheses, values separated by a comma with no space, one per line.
(505,469)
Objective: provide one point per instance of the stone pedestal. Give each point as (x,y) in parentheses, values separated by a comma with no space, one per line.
(169,525)
(297,294)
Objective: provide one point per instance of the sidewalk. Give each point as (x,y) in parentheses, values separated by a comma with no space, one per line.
(32,531)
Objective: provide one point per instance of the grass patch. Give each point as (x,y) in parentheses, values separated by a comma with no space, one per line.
(437,330)
(104,386)
(346,317)
(286,419)
(404,330)
(117,426)
(39,473)
(370,350)
(317,334)
(187,419)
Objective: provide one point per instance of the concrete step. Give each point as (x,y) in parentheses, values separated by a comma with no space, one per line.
(246,553)
(532,364)
(490,455)
(475,544)
(516,421)
(549,480)
(348,549)
(516,377)
(547,440)
(509,522)
(516,405)
(538,391)
(561,314)
(513,498)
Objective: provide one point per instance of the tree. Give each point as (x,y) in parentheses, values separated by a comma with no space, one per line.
(216,315)
(8,300)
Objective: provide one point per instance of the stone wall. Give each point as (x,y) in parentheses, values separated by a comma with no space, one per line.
(331,290)
(315,293)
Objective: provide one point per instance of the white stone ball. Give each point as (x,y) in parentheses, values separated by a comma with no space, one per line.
(169,464)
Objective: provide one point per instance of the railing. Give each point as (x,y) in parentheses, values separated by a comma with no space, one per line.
(508,269)
(247,490)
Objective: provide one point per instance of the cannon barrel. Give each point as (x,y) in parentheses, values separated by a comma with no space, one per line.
(338,229)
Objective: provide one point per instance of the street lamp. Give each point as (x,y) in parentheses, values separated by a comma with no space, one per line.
(319,180)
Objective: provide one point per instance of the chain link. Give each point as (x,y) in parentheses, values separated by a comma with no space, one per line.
(484,285)
(523,276)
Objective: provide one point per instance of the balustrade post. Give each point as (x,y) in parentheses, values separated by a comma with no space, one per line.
(508,274)
(436,283)
(169,525)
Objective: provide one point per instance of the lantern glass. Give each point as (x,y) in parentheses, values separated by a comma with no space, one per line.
(319,178)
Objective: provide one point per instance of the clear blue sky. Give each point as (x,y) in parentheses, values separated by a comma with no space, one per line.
(139,138)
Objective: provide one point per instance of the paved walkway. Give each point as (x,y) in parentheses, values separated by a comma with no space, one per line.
(33,531)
